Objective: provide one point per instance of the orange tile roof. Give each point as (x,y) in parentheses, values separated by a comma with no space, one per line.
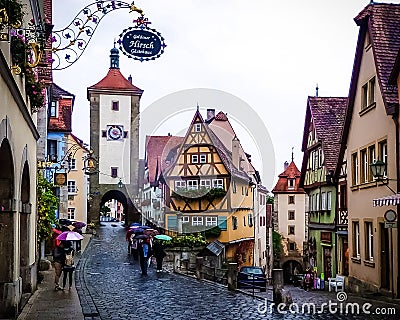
(114,80)
(291,172)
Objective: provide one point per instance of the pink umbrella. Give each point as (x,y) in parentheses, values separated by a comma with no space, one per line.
(69,236)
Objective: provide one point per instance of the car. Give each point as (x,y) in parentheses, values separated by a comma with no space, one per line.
(252,277)
(297,280)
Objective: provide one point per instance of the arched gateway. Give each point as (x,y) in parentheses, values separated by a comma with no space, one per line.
(114,139)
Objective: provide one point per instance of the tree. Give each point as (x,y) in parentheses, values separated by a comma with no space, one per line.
(47,204)
(105,210)
(270,199)
(277,245)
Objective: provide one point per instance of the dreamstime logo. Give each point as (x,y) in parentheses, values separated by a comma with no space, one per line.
(333,307)
(172,115)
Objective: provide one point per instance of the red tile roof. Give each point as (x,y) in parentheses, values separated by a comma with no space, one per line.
(160,151)
(221,116)
(291,172)
(62,123)
(382,20)
(114,80)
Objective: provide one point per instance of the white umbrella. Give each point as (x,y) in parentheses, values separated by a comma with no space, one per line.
(69,236)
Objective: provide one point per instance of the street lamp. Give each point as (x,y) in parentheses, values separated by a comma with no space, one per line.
(378,169)
(120,183)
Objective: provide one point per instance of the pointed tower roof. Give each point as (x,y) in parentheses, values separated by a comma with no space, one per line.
(114,80)
(291,172)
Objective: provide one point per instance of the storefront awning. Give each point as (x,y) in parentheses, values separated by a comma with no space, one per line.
(392,200)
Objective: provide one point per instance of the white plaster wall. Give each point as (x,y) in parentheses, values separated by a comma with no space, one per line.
(20,136)
(114,153)
(299,208)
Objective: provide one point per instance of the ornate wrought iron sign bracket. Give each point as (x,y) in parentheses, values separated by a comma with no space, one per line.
(70,42)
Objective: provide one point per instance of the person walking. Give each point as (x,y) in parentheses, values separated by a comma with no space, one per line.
(69,266)
(58,260)
(144,254)
(159,253)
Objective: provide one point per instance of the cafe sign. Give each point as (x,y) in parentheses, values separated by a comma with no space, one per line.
(141,42)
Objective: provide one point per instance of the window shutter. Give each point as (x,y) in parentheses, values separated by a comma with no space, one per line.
(172,222)
(222,222)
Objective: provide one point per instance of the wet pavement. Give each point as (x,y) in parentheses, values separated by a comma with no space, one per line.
(110,286)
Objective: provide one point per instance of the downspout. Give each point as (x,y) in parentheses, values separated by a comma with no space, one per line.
(396,123)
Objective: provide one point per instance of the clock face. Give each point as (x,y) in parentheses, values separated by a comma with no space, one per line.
(115,132)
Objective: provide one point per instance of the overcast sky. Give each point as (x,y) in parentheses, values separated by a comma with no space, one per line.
(270,54)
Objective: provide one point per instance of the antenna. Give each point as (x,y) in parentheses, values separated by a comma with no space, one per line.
(316,90)
(292,154)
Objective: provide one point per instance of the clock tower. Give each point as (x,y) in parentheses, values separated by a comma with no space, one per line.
(114,139)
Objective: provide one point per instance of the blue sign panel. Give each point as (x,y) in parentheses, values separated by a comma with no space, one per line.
(141,43)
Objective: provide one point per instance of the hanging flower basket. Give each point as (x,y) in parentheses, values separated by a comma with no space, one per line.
(12,14)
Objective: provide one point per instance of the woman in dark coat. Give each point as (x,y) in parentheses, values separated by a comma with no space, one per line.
(69,266)
(159,253)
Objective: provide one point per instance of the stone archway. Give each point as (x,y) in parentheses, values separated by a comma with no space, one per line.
(289,269)
(117,195)
(6,218)
(24,235)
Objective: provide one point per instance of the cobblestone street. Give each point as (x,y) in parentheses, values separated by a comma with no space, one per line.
(110,286)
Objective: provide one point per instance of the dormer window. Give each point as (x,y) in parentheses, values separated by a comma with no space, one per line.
(291,184)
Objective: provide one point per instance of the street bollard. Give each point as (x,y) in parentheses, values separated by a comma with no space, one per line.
(277,285)
(199,264)
(232,276)
(177,261)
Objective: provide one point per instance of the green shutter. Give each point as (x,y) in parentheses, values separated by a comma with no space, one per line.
(222,222)
(172,222)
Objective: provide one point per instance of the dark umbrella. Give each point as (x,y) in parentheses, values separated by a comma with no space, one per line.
(135,224)
(79,224)
(144,227)
(138,230)
(141,236)
(65,222)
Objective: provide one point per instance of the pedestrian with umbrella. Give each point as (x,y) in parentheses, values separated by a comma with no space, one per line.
(158,253)
(58,261)
(69,265)
(78,228)
(144,252)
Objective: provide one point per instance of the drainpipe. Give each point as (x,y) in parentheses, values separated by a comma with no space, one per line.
(396,123)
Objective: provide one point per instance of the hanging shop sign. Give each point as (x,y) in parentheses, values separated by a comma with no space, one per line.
(141,42)
(60,179)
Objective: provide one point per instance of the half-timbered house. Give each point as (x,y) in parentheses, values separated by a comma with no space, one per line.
(321,145)
(210,184)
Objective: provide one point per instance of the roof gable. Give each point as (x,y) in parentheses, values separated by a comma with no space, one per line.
(328,116)
(291,172)
(382,22)
(208,137)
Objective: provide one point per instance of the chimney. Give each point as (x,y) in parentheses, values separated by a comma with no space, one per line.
(235,152)
(130,78)
(285,165)
(210,114)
